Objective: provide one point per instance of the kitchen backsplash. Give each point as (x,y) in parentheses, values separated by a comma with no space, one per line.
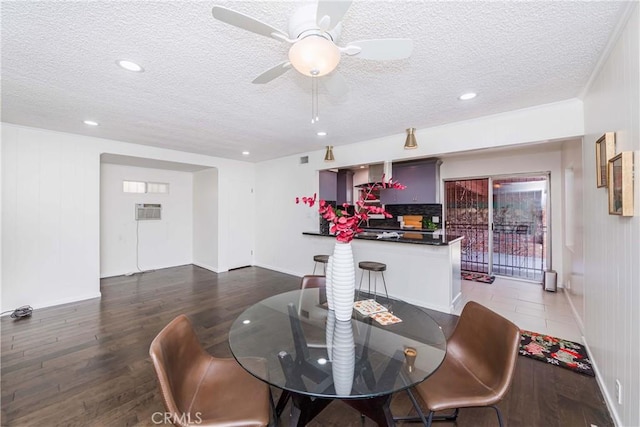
(426,210)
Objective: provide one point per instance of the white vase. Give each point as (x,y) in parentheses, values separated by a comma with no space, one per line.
(329,329)
(343,280)
(328,282)
(344,356)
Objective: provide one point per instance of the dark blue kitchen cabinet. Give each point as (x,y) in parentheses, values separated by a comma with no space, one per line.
(328,186)
(421,179)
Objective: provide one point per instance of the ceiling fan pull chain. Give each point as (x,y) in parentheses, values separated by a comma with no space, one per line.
(315,116)
(317,101)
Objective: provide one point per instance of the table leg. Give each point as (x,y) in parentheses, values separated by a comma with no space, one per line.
(282,402)
(376,408)
(305,409)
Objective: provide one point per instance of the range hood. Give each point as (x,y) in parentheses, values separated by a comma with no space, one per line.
(376,172)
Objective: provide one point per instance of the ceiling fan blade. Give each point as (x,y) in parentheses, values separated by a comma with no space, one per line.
(380,49)
(335,84)
(272,73)
(248,23)
(334,9)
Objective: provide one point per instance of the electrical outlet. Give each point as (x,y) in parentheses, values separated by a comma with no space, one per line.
(619,392)
(435,219)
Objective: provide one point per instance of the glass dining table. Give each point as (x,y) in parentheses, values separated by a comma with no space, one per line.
(315,358)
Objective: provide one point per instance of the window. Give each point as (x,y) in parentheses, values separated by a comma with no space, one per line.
(157,187)
(133,187)
(145,187)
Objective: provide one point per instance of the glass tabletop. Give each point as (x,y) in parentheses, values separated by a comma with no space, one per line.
(306,350)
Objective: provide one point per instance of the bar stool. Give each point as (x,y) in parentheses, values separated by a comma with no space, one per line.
(376,267)
(323,259)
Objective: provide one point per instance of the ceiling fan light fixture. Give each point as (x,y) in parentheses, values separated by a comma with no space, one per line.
(410,143)
(314,56)
(328,155)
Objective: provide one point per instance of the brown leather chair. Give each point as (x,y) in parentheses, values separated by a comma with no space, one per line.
(313,282)
(198,389)
(478,367)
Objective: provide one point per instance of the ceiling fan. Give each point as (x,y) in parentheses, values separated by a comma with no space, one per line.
(314,30)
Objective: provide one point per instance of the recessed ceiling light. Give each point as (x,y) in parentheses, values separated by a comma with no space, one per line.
(245,153)
(90,123)
(362,166)
(322,133)
(130,66)
(467,96)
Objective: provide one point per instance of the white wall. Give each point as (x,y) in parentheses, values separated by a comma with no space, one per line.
(50,219)
(205,219)
(524,160)
(160,243)
(51,211)
(573,227)
(611,243)
(281,245)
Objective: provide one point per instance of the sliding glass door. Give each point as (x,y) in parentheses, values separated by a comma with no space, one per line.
(504,224)
(520,226)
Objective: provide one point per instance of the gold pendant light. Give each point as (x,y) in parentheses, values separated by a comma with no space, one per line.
(411,142)
(328,155)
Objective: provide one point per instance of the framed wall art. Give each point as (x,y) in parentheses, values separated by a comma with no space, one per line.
(605,149)
(620,176)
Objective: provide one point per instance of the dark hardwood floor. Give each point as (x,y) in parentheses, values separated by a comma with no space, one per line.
(87,363)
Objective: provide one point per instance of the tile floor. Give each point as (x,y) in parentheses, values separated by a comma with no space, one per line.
(525,304)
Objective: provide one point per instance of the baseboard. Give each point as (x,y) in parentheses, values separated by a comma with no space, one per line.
(577,318)
(280,270)
(208,267)
(611,403)
(62,301)
(455,302)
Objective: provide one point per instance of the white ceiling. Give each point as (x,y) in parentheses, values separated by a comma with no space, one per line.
(58,69)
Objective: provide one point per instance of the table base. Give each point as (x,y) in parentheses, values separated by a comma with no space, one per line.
(305,408)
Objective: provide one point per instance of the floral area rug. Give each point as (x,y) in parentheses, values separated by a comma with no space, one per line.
(477,277)
(556,351)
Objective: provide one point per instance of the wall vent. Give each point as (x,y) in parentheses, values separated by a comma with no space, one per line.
(147,211)
(304,160)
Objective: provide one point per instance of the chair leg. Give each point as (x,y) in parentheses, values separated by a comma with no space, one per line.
(385,286)
(500,423)
(315,264)
(416,406)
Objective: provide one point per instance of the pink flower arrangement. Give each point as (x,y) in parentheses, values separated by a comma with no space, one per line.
(345,225)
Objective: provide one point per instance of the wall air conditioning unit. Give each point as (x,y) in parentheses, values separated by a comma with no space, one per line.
(147,211)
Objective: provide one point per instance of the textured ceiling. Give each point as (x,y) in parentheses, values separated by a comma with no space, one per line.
(58,69)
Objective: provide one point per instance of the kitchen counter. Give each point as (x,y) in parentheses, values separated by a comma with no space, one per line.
(405,236)
(421,269)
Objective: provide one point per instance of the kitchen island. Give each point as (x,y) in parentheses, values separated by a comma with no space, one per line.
(422,268)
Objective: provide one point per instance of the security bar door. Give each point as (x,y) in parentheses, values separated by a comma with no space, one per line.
(467,214)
